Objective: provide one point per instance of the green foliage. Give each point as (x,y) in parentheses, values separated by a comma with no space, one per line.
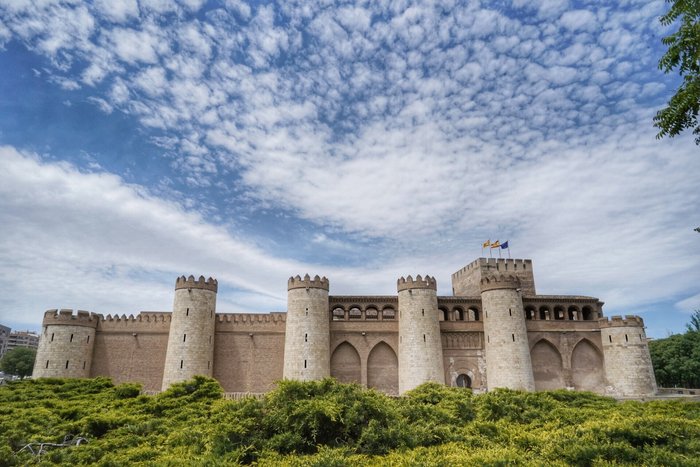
(326,423)
(676,359)
(18,361)
(682,54)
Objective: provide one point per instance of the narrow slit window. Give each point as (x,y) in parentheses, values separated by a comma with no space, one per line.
(88,339)
(423,337)
(181,363)
(211,313)
(510,312)
(67,364)
(422,311)
(210,339)
(488,339)
(306,338)
(610,338)
(304,363)
(187,313)
(184,337)
(84,362)
(626,338)
(513,337)
(71,337)
(51,337)
(47,363)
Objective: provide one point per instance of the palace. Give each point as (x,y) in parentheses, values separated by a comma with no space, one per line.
(494,331)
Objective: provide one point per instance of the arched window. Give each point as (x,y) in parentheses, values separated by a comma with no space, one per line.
(338,314)
(530,312)
(544,313)
(388,313)
(355,313)
(587,313)
(459,314)
(573,313)
(371,313)
(444,315)
(558,312)
(464,381)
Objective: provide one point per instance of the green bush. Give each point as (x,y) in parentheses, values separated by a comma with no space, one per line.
(328,423)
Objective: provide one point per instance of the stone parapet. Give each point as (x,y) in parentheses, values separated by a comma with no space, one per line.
(201,283)
(619,322)
(66,317)
(306,282)
(499,281)
(417,283)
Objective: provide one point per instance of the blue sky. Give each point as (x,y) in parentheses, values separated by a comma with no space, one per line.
(145,139)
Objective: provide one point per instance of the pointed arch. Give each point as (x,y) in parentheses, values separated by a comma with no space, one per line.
(547,366)
(383,369)
(345,364)
(587,372)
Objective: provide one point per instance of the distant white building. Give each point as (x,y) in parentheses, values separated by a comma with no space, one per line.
(19,339)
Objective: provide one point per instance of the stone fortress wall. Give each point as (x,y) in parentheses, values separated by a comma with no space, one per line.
(494,332)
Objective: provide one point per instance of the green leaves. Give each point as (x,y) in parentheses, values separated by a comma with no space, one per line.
(332,424)
(683,54)
(18,361)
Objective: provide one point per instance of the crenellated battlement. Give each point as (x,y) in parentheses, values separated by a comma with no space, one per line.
(417,283)
(498,264)
(306,282)
(201,283)
(251,322)
(499,281)
(66,317)
(629,321)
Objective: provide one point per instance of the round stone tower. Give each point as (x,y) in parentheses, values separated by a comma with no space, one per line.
(628,367)
(420,344)
(66,344)
(507,350)
(191,339)
(307,333)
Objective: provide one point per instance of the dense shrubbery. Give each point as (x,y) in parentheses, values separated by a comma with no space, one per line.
(328,423)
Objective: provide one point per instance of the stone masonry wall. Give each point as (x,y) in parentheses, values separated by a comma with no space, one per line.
(307,333)
(420,344)
(466,281)
(66,345)
(190,349)
(628,367)
(508,363)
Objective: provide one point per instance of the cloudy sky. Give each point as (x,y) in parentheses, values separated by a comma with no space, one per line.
(145,139)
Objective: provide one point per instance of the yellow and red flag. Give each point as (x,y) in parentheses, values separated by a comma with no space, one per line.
(486,244)
(495,244)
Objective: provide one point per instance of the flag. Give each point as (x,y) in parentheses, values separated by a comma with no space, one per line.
(504,245)
(495,244)
(486,244)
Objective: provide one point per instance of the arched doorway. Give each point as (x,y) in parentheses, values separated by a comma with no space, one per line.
(587,369)
(383,369)
(345,364)
(546,366)
(464,381)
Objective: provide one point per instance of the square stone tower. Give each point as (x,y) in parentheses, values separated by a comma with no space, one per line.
(467,281)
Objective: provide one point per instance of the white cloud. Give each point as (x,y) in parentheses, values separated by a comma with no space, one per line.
(118,11)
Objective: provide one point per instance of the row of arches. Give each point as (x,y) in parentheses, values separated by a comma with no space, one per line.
(459,314)
(382,366)
(585,363)
(560,313)
(583,369)
(368,313)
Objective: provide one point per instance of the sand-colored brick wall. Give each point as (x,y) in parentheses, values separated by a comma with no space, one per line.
(249,351)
